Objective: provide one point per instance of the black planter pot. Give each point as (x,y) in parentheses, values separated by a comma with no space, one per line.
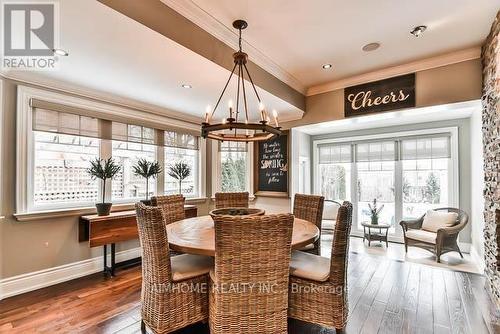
(103,209)
(146,202)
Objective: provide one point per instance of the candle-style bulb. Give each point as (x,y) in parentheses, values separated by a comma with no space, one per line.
(262,112)
(223,121)
(230,104)
(275,115)
(207,114)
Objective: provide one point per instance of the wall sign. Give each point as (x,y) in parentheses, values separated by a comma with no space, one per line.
(271,172)
(389,94)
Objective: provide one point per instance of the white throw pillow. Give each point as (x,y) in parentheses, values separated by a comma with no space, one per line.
(434,220)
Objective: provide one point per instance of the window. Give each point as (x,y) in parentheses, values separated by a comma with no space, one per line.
(56,142)
(63,146)
(234,172)
(408,175)
(131,143)
(181,149)
(425,175)
(335,172)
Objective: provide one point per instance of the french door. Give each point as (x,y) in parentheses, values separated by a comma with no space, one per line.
(406,175)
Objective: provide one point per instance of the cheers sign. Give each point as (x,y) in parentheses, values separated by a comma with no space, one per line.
(390,94)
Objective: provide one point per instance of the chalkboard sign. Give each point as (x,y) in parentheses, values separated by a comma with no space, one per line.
(383,95)
(272,167)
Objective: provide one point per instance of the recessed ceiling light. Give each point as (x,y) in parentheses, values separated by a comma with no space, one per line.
(60,52)
(186,86)
(327,66)
(371,47)
(417,31)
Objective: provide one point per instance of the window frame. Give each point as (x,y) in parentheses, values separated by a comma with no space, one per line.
(217,171)
(25,155)
(453,177)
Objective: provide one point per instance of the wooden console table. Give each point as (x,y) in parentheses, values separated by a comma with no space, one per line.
(116,227)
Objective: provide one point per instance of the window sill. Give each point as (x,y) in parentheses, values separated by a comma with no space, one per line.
(59,213)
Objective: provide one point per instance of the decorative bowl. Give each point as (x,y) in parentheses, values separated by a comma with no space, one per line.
(237,212)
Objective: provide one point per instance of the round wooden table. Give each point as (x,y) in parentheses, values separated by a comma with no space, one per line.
(197,235)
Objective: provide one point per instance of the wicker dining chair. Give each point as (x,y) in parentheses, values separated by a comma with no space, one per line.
(318,285)
(231,200)
(310,208)
(252,255)
(166,304)
(172,207)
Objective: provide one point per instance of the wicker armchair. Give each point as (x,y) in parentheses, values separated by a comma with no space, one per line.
(318,285)
(231,200)
(443,241)
(252,254)
(166,305)
(172,207)
(310,208)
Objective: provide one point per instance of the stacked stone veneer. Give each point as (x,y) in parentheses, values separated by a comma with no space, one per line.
(491,140)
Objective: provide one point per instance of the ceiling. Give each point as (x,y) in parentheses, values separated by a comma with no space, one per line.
(123,60)
(300,35)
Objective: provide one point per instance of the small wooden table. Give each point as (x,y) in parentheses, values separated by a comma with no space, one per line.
(115,227)
(375,235)
(197,235)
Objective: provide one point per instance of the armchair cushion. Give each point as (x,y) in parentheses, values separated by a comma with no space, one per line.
(310,266)
(328,224)
(434,220)
(422,235)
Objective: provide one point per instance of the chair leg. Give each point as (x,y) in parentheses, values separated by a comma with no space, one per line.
(460,252)
(339,330)
(143,327)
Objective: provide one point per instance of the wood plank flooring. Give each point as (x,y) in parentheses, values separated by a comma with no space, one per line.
(385,296)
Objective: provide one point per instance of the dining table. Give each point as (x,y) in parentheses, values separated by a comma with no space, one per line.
(197,235)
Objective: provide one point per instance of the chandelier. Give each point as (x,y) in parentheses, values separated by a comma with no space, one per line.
(235,127)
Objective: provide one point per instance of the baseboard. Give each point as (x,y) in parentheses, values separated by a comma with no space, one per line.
(16,285)
(477,259)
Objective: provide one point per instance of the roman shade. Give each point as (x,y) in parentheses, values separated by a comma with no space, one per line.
(376,151)
(231,146)
(329,154)
(180,140)
(426,148)
(132,133)
(65,123)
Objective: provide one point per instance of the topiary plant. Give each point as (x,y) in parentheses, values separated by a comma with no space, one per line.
(103,170)
(147,169)
(179,171)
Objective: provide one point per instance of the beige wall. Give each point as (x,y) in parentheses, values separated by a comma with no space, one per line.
(447,84)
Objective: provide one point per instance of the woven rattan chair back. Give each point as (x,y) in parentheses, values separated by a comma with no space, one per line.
(231,200)
(339,261)
(172,207)
(252,255)
(310,208)
(165,304)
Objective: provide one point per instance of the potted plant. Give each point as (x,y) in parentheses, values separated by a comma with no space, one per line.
(179,171)
(374,212)
(103,170)
(147,169)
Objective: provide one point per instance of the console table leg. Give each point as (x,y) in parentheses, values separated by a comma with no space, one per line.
(105,259)
(112,259)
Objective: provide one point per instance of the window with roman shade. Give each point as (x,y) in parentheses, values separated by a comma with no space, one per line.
(335,170)
(67,138)
(181,151)
(234,173)
(64,145)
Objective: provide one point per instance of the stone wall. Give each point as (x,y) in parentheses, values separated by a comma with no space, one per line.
(491,140)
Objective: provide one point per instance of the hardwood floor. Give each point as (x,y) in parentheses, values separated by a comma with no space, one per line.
(385,296)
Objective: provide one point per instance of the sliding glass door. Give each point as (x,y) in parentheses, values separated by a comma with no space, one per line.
(407,175)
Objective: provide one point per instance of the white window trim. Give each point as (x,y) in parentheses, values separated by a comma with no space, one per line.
(24,141)
(454,197)
(216,172)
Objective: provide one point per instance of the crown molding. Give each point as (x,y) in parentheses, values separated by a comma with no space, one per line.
(210,24)
(411,67)
(99,96)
